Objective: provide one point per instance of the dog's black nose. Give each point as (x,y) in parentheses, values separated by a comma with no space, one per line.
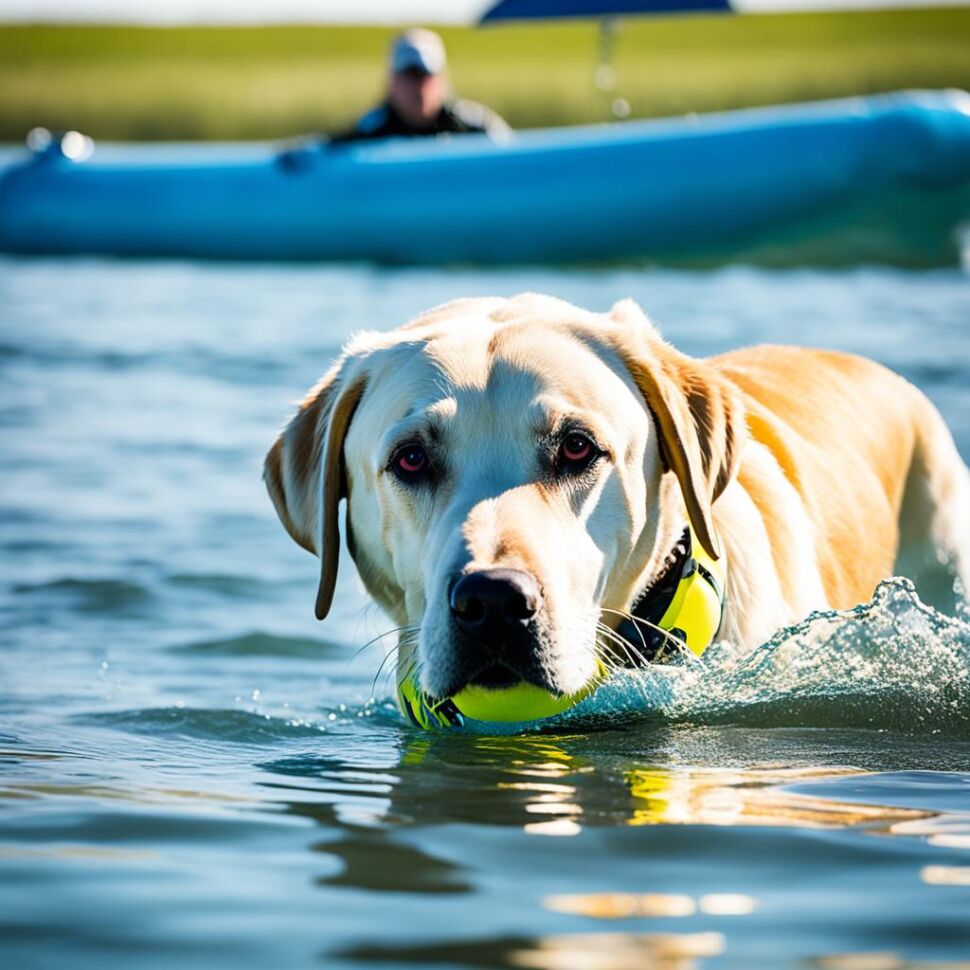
(495,599)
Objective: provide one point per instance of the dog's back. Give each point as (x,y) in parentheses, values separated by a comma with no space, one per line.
(874,464)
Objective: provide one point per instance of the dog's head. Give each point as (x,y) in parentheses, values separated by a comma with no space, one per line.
(505,467)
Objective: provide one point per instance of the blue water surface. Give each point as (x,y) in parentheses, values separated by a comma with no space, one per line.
(194,772)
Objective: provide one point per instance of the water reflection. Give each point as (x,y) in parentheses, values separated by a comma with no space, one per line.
(374,814)
(628,905)
(381,865)
(556,786)
(572,951)
(881,960)
(666,864)
(945,875)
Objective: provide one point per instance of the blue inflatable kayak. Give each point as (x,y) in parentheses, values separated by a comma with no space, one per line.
(883,178)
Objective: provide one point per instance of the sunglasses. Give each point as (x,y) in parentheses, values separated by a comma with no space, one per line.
(414,74)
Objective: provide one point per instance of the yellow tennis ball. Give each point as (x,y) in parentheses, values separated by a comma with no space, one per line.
(522,702)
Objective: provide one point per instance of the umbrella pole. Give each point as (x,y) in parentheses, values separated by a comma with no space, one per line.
(606,77)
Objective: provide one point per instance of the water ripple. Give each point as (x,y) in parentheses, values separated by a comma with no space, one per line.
(222,584)
(90,595)
(258,644)
(891,664)
(233,726)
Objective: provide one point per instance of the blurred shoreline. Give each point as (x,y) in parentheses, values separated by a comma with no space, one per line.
(163,83)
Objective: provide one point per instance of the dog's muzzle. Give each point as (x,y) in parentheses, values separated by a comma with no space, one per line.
(497,622)
(688,604)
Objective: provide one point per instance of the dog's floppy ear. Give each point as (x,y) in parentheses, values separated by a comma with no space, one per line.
(304,472)
(699,417)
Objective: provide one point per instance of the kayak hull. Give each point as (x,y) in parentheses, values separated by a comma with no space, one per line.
(884,178)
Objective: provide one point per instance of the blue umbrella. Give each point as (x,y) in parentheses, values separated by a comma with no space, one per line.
(542,9)
(607,11)
(545,9)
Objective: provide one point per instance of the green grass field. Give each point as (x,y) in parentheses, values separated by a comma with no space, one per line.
(198,82)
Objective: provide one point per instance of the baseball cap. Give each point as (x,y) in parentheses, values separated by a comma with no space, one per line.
(418,50)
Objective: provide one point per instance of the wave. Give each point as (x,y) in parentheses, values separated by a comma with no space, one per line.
(206,724)
(91,595)
(258,644)
(214,363)
(222,584)
(891,664)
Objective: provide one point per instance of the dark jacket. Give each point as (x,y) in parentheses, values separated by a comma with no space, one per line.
(455,117)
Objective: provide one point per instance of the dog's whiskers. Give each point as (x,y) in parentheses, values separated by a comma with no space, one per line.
(380,636)
(635,656)
(407,641)
(380,670)
(632,654)
(679,646)
(614,651)
(406,637)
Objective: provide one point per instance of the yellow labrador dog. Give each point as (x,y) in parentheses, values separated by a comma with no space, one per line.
(521,472)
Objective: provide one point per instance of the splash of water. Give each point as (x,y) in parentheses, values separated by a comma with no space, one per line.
(891,664)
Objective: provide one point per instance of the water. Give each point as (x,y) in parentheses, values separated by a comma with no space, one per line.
(193,771)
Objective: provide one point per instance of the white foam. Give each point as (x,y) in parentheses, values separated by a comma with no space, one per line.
(893,663)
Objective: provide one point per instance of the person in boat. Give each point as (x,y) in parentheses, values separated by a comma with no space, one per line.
(418,101)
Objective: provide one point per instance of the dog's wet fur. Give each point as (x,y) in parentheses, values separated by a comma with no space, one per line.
(518,470)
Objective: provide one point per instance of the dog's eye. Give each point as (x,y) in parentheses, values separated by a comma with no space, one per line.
(576,452)
(410,462)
